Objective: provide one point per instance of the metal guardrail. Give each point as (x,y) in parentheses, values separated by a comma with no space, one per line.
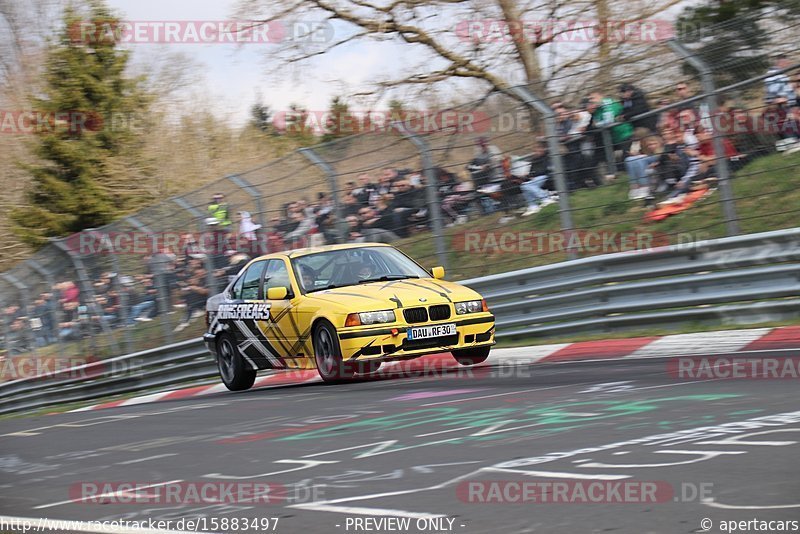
(743,279)
(747,279)
(140,371)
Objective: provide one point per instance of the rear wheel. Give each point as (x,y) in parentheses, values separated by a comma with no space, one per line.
(328,355)
(471,356)
(234,371)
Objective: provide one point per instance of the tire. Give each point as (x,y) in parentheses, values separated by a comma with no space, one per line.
(471,356)
(328,355)
(367,367)
(233,370)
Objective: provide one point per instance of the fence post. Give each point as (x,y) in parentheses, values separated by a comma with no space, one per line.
(608,148)
(121,295)
(720,158)
(136,223)
(88,293)
(554,149)
(105,241)
(26,305)
(209,261)
(6,329)
(198,215)
(330,173)
(162,302)
(431,189)
(248,188)
(55,316)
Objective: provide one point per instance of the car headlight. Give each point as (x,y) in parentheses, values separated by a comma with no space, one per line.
(469,306)
(366,318)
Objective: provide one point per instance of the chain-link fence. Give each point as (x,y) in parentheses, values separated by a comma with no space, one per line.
(692,140)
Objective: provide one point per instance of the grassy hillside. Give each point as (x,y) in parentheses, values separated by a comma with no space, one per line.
(767,195)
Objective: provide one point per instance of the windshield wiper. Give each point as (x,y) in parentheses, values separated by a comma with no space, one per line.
(387,277)
(329,286)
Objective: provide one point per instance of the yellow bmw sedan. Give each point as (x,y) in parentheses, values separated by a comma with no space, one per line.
(343,310)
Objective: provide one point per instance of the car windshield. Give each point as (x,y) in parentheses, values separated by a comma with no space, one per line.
(352,266)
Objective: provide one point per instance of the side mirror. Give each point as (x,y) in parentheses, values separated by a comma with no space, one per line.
(438,273)
(277,293)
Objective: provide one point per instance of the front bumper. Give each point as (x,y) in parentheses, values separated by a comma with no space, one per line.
(390,342)
(211,343)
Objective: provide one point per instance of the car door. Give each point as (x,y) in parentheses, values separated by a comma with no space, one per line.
(283,332)
(244,315)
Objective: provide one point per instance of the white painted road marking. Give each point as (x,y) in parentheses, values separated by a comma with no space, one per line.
(556,474)
(702,456)
(713,504)
(468,399)
(146,459)
(701,343)
(327,506)
(359,510)
(306,464)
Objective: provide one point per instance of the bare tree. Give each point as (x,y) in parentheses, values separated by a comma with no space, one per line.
(497,43)
(24,30)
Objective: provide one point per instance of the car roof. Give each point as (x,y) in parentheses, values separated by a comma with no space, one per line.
(296,253)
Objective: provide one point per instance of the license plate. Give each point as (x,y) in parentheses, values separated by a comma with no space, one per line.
(437,330)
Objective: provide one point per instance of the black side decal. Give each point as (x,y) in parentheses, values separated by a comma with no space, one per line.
(440,293)
(442,288)
(360,351)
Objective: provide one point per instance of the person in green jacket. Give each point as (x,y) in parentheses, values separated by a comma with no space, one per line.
(218,209)
(609,111)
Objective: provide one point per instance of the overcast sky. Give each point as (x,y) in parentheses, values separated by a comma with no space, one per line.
(233,74)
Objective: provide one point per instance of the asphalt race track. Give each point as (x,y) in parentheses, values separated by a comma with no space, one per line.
(445,451)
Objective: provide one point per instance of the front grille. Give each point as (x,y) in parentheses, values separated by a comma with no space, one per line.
(439,312)
(417,344)
(415,315)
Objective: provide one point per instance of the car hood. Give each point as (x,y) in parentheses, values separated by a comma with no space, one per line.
(375,296)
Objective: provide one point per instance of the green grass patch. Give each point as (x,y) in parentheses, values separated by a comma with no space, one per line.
(767,197)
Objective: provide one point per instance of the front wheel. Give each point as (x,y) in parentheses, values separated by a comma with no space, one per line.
(471,356)
(234,371)
(328,355)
